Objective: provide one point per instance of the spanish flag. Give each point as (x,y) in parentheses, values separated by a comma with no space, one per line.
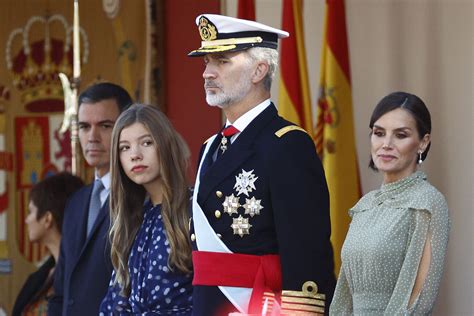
(246,10)
(294,101)
(335,127)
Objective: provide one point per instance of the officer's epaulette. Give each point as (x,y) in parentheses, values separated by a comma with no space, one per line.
(289,128)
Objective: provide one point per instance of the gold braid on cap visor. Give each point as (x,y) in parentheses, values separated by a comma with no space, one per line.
(231,41)
(214,49)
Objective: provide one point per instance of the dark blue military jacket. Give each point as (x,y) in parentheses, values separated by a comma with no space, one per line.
(279,169)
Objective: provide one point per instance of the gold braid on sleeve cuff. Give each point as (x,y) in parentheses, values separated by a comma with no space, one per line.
(305,302)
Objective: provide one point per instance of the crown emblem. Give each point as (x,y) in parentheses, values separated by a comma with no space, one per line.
(207,30)
(35,59)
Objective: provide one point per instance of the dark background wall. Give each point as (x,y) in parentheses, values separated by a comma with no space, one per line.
(183,83)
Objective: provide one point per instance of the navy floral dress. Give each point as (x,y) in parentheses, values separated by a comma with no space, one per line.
(155,289)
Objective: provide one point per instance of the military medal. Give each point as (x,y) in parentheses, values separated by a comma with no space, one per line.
(223,145)
(241,226)
(229,131)
(245,182)
(231,204)
(252,206)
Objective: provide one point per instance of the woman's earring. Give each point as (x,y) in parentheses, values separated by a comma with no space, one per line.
(419,158)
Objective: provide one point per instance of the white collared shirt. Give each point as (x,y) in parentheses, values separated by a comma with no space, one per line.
(105,192)
(242,122)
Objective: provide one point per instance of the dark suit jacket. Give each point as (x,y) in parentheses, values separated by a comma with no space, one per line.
(84,267)
(294,221)
(35,283)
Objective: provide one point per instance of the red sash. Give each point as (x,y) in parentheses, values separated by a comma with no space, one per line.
(260,273)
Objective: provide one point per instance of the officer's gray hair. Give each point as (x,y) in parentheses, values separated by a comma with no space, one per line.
(268,55)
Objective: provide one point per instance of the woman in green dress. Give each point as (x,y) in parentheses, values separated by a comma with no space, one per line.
(393,255)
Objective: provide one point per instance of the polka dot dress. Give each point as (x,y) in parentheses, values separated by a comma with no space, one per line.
(383,248)
(155,290)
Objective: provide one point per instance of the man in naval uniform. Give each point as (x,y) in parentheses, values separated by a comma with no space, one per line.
(260,225)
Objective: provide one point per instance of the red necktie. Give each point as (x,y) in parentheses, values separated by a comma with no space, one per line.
(230,131)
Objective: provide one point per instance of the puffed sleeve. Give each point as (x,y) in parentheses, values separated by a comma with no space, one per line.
(428,222)
(342,301)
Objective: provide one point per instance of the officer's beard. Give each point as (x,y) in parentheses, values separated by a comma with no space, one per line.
(223,98)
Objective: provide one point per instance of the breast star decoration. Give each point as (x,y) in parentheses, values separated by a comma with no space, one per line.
(241,226)
(231,204)
(245,182)
(252,206)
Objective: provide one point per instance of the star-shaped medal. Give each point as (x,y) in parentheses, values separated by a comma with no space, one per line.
(231,204)
(241,226)
(252,206)
(245,182)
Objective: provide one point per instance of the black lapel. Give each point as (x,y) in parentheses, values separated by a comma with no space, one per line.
(83,226)
(79,229)
(238,152)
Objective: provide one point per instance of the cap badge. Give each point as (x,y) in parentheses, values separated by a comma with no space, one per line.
(207,30)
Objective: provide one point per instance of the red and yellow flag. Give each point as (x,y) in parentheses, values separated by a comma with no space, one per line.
(335,127)
(294,102)
(246,9)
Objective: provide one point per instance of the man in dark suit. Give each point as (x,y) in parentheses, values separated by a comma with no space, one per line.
(84,267)
(261,204)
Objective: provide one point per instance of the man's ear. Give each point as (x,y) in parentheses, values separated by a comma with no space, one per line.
(260,72)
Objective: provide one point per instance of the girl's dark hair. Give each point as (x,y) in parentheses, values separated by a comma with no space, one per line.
(413,105)
(52,193)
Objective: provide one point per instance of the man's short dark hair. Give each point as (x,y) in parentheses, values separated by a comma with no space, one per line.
(105,91)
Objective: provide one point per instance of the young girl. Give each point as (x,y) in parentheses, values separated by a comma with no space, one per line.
(149,234)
